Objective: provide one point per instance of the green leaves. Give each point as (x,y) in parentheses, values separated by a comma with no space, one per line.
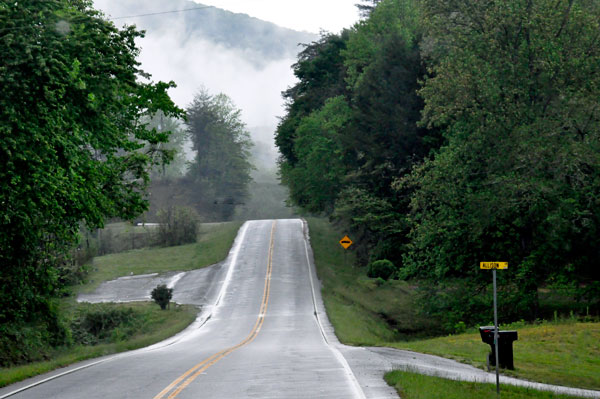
(316,179)
(70,105)
(471,133)
(351,127)
(509,183)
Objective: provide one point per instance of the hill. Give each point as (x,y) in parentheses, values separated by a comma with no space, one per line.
(261,41)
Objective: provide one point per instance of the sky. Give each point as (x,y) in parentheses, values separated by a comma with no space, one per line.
(303,15)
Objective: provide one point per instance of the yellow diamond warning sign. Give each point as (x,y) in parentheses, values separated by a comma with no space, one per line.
(345,242)
(493,265)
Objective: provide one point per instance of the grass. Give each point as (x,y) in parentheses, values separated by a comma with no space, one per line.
(417,386)
(157,325)
(214,242)
(563,352)
(362,312)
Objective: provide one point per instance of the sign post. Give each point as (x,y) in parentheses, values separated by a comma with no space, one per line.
(345,243)
(494,266)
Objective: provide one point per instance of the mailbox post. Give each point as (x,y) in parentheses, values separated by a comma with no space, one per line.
(494,266)
(504,348)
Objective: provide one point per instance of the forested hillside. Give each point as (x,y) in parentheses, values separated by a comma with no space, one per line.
(445,133)
(260,41)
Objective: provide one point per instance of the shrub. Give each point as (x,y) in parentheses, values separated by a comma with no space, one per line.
(178,226)
(162,295)
(99,323)
(381,268)
(27,341)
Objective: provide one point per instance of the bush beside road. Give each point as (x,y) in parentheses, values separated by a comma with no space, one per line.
(145,324)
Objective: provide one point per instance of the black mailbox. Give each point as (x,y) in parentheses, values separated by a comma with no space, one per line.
(505,349)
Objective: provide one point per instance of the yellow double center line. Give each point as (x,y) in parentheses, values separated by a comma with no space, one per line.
(186,378)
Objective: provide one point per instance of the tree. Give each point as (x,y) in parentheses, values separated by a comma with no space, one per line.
(71,101)
(371,74)
(366,7)
(162,295)
(220,172)
(316,179)
(515,89)
(321,76)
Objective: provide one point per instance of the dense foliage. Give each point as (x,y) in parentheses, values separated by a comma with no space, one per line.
(72,148)
(445,133)
(515,90)
(351,126)
(99,323)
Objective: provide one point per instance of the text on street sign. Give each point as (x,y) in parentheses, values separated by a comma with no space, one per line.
(493,265)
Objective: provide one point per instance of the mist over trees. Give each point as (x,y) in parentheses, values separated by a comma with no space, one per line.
(175,147)
(216,181)
(261,41)
(246,58)
(72,148)
(220,171)
(445,133)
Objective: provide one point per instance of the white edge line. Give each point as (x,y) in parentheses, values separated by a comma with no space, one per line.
(357,388)
(54,377)
(234,253)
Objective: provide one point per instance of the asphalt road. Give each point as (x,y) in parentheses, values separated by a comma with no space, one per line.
(258,336)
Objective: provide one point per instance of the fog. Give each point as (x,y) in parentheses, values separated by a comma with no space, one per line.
(255,89)
(170,52)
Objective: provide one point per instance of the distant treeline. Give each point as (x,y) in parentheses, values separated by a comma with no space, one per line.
(442,133)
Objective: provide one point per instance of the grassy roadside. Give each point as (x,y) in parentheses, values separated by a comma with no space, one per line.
(149,324)
(363,313)
(416,386)
(562,353)
(154,326)
(214,242)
